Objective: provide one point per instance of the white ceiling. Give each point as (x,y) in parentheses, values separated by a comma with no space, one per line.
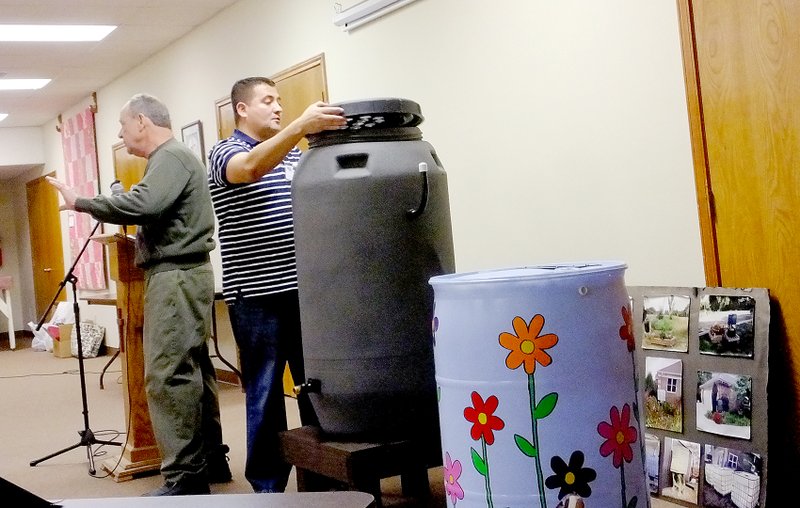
(77,69)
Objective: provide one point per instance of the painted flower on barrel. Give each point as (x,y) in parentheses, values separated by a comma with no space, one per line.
(626,334)
(571,478)
(619,435)
(452,472)
(484,422)
(527,346)
(626,330)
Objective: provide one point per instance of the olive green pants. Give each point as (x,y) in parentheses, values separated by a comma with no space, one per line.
(180,381)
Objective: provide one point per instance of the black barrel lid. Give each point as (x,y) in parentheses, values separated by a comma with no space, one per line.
(374,120)
(381,113)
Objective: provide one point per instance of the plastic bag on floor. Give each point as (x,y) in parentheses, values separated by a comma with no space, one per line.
(42,341)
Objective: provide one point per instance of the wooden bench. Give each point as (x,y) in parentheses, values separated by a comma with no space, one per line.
(321,462)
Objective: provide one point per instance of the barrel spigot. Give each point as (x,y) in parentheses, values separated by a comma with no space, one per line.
(310,386)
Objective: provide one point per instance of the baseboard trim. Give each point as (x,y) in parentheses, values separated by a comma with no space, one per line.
(23,333)
(23,338)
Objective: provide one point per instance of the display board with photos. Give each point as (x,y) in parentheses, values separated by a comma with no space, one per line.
(702,369)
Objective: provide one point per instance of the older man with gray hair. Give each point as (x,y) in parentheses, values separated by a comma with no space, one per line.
(172,206)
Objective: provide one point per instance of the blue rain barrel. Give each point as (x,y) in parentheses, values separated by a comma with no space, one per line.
(537,387)
(372,226)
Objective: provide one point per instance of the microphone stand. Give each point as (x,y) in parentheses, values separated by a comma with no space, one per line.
(87,436)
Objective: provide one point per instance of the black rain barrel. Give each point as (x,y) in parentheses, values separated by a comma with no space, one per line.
(372,226)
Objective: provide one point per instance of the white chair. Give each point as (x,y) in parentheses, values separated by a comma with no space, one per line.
(6,308)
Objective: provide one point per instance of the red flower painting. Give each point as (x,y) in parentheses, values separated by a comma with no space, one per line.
(484,422)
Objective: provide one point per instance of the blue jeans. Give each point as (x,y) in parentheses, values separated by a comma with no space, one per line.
(267,332)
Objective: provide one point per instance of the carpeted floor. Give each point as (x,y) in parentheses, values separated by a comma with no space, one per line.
(41,412)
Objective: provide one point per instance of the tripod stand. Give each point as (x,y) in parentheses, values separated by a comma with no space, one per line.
(87,436)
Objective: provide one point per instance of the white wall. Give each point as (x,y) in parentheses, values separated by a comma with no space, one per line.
(562,125)
(18,147)
(15,242)
(21,146)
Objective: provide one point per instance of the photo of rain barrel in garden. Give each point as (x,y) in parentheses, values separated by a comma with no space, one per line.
(372,226)
(538,399)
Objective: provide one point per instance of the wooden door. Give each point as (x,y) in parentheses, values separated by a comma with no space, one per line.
(44,221)
(298,86)
(742,64)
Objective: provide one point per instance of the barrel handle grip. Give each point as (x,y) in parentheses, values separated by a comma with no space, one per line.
(413,213)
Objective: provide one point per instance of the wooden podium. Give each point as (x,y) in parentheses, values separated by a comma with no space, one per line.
(141,453)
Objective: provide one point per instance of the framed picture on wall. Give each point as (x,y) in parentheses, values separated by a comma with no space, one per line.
(192,136)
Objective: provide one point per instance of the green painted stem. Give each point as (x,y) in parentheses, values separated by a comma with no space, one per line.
(622,477)
(489,501)
(535,433)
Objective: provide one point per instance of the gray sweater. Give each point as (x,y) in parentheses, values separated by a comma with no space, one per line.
(172,207)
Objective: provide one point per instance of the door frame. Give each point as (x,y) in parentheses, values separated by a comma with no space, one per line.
(702,175)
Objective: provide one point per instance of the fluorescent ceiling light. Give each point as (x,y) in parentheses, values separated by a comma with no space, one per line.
(22,84)
(3,116)
(54,33)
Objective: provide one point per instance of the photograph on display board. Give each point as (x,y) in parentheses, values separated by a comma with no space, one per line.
(652,456)
(732,478)
(666,323)
(682,463)
(725,325)
(724,404)
(663,394)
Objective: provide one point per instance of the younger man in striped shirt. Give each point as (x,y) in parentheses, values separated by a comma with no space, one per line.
(250,180)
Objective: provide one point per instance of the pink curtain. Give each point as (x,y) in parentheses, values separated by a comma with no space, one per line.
(80,162)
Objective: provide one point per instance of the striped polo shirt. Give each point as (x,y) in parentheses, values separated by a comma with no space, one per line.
(256,228)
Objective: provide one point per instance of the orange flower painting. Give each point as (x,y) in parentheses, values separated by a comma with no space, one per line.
(527,346)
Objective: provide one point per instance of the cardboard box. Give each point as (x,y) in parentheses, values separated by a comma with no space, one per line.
(61,340)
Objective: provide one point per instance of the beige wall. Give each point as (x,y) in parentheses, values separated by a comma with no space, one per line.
(21,146)
(562,125)
(16,245)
